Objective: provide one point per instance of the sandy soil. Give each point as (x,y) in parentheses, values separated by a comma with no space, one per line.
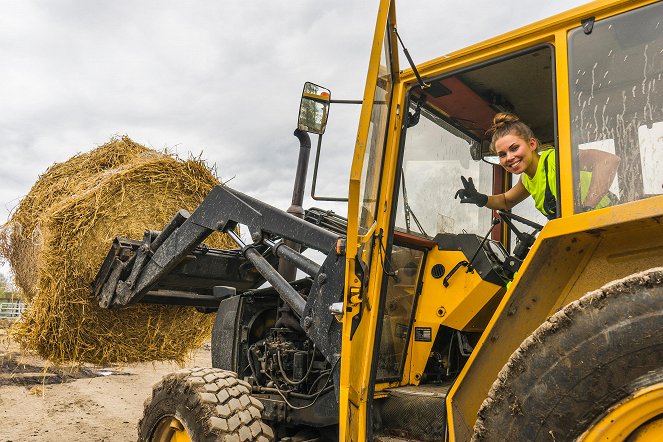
(42,403)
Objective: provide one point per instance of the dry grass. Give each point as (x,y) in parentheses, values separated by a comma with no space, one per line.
(60,233)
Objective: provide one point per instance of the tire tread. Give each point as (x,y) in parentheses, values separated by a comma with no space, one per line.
(222,411)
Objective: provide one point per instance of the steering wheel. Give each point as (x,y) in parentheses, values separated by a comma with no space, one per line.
(508,216)
(525,240)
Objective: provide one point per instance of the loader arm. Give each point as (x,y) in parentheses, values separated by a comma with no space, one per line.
(175,259)
(223,209)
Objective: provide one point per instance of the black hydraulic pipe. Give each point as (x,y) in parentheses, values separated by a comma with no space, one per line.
(289,295)
(296,302)
(300,176)
(295,394)
(300,261)
(286,268)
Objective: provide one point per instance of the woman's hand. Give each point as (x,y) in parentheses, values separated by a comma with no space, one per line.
(502,201)
(469,193)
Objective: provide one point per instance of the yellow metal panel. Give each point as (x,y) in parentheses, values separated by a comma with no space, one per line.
(458,304)
(352,418)
(571,256)
(533,32)
(420,351)
(467,304)
(564,151)
(364,340)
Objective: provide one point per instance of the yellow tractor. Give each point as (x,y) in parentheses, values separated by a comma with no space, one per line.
(428,319)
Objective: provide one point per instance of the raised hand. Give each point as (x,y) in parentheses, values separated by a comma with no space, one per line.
(469,193)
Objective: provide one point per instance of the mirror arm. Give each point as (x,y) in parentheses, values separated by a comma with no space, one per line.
(315,178)
(346,101)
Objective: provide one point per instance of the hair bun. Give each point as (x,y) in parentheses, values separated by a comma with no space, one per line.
(505,123)
(503,119)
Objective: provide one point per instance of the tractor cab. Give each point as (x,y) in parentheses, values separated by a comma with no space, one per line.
(434,284)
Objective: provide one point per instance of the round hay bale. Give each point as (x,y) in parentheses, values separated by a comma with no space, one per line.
(20,238)
(60,233)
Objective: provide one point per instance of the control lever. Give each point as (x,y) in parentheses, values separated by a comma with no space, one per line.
(470,269)
(495,222)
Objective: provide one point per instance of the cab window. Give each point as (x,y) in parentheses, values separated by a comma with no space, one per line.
(448,120)
(376,138)
(436,155)
(616,87)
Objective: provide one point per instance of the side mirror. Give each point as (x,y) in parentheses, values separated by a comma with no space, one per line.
(314,109)
(491,159)
(475,151)
(481,151)
(487,155)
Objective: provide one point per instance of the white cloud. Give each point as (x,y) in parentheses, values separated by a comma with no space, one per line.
(219,77)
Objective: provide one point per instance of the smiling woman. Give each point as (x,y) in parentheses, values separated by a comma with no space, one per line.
(517,149)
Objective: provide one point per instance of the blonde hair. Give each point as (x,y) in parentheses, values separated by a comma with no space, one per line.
(505,123)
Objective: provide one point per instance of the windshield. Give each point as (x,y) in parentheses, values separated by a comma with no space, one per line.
(435,156)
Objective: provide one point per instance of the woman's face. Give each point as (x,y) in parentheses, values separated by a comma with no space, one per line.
(516,154)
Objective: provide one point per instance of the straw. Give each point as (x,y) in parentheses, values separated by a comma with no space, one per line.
(60,233)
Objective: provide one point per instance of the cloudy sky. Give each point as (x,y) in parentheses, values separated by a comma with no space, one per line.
(222,78)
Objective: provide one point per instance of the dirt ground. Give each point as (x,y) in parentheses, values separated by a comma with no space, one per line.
(39,402)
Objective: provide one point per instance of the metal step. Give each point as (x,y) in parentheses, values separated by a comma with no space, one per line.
(412,413)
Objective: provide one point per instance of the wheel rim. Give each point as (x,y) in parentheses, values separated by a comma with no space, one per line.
(637,418)
(170,429)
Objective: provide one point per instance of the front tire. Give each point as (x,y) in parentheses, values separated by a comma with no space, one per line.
(579,364)
(203,404)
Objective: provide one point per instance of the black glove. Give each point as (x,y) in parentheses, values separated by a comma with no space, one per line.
(469,194)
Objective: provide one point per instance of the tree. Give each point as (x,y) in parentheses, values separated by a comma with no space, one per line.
(6,288)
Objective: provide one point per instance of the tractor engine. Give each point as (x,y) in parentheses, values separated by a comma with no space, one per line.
(289,363)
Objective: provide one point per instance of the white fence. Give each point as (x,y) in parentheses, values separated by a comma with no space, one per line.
(11,309)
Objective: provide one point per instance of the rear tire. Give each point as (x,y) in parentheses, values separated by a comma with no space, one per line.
(208,404)
(577,365)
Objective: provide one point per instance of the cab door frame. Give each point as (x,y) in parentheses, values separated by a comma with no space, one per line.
(361,295)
